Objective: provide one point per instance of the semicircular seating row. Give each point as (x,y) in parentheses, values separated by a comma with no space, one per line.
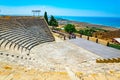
(24,34)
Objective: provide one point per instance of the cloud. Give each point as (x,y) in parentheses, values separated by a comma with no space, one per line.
(27,10)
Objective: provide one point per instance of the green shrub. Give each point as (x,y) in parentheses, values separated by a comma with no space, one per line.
(87,32)
(70,28)
(117,46)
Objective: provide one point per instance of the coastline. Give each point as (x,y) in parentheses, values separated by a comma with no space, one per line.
(85,24)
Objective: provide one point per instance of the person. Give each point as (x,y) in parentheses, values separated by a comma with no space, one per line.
(69,36)
(64,37)
(108,43)
(75,36)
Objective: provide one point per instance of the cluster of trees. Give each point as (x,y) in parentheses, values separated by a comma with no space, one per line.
(52,21)
(70,28)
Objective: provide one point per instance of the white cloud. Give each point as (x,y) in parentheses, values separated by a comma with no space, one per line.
(26,10)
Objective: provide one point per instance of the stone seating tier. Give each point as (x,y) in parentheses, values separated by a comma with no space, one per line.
(25,32)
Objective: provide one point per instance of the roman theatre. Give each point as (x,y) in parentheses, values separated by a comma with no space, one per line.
(30,51)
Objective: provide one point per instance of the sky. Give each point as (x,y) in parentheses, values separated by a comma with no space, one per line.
(101,8)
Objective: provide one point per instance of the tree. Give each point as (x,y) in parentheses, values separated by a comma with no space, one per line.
(70,28)
(53,22)
(45,16)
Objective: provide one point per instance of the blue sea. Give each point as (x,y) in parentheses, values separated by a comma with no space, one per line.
(106,21)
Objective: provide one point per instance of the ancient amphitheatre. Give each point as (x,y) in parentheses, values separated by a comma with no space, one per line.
(30,51)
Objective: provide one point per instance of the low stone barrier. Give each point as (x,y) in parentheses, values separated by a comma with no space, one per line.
(85,37)
(103,42)
(93,39)
(78,35)
(100,41)
(109,60)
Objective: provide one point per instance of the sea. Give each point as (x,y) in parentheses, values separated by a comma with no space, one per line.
(106,21)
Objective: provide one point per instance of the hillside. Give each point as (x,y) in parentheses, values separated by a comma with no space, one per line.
(109,35)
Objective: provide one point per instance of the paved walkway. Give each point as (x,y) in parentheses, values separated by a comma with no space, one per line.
(101,50)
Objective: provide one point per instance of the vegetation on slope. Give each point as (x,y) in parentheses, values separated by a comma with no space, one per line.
(109,35)
(88,31)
